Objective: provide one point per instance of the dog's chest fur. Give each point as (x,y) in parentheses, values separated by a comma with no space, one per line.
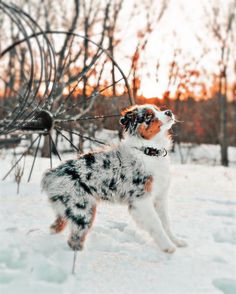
(159,168)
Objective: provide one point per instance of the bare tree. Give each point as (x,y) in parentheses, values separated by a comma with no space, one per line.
(151,21)
(221,21)
(69,74)
(116,7)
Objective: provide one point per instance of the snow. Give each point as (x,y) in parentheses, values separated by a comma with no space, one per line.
(118,256)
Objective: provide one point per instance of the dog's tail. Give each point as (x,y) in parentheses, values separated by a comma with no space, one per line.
(46,180)
(54,184)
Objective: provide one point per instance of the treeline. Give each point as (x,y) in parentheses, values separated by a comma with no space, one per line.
(199,120)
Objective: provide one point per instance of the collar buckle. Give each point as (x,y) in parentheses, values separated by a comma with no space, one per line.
(155,152)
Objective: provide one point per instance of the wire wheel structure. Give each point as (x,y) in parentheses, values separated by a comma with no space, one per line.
(48,88)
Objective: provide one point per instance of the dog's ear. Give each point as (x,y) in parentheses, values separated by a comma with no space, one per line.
(128,117)
(148,116)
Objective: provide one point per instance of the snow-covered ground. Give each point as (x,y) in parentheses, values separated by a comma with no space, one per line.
(118,256)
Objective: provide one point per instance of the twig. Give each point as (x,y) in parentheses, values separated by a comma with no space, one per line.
(74,262)
(31,231)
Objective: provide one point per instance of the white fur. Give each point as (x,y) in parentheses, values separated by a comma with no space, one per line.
(152,213)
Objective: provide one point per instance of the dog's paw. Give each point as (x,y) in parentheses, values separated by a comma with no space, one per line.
(180,243)
(52,230)
(169,250)
(75,245)
(167,246)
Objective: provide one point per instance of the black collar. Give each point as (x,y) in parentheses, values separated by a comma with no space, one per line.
(153,151)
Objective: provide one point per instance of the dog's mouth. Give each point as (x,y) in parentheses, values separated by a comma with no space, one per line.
(167,123)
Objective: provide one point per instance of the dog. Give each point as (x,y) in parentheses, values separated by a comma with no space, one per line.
(135,172)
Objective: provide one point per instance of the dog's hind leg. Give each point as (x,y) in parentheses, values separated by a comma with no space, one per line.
(80,221)
(58,203)
(144,214)
(58,225)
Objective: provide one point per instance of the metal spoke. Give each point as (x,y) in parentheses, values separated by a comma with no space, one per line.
(54,145)
(50,148)
(68,140)
(35,155)
(24,153)
(85,137)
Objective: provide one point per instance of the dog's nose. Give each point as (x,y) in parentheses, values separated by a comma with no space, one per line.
(168,113)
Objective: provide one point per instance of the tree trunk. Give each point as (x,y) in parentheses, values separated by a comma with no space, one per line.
(46,147)
(81,142)
(111,50)
(223,130)
(223,136)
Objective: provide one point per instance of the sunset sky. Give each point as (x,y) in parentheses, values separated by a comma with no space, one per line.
(182,24)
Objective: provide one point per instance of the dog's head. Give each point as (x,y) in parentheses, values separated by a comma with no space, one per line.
(146,120)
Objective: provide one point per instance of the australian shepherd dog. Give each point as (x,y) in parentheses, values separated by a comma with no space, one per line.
(136,172)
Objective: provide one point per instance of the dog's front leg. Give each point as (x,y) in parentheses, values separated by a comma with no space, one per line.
(143,212)
(161,206)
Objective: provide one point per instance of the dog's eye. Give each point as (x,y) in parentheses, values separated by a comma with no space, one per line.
(123,120)
(129,114)
(148,118)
